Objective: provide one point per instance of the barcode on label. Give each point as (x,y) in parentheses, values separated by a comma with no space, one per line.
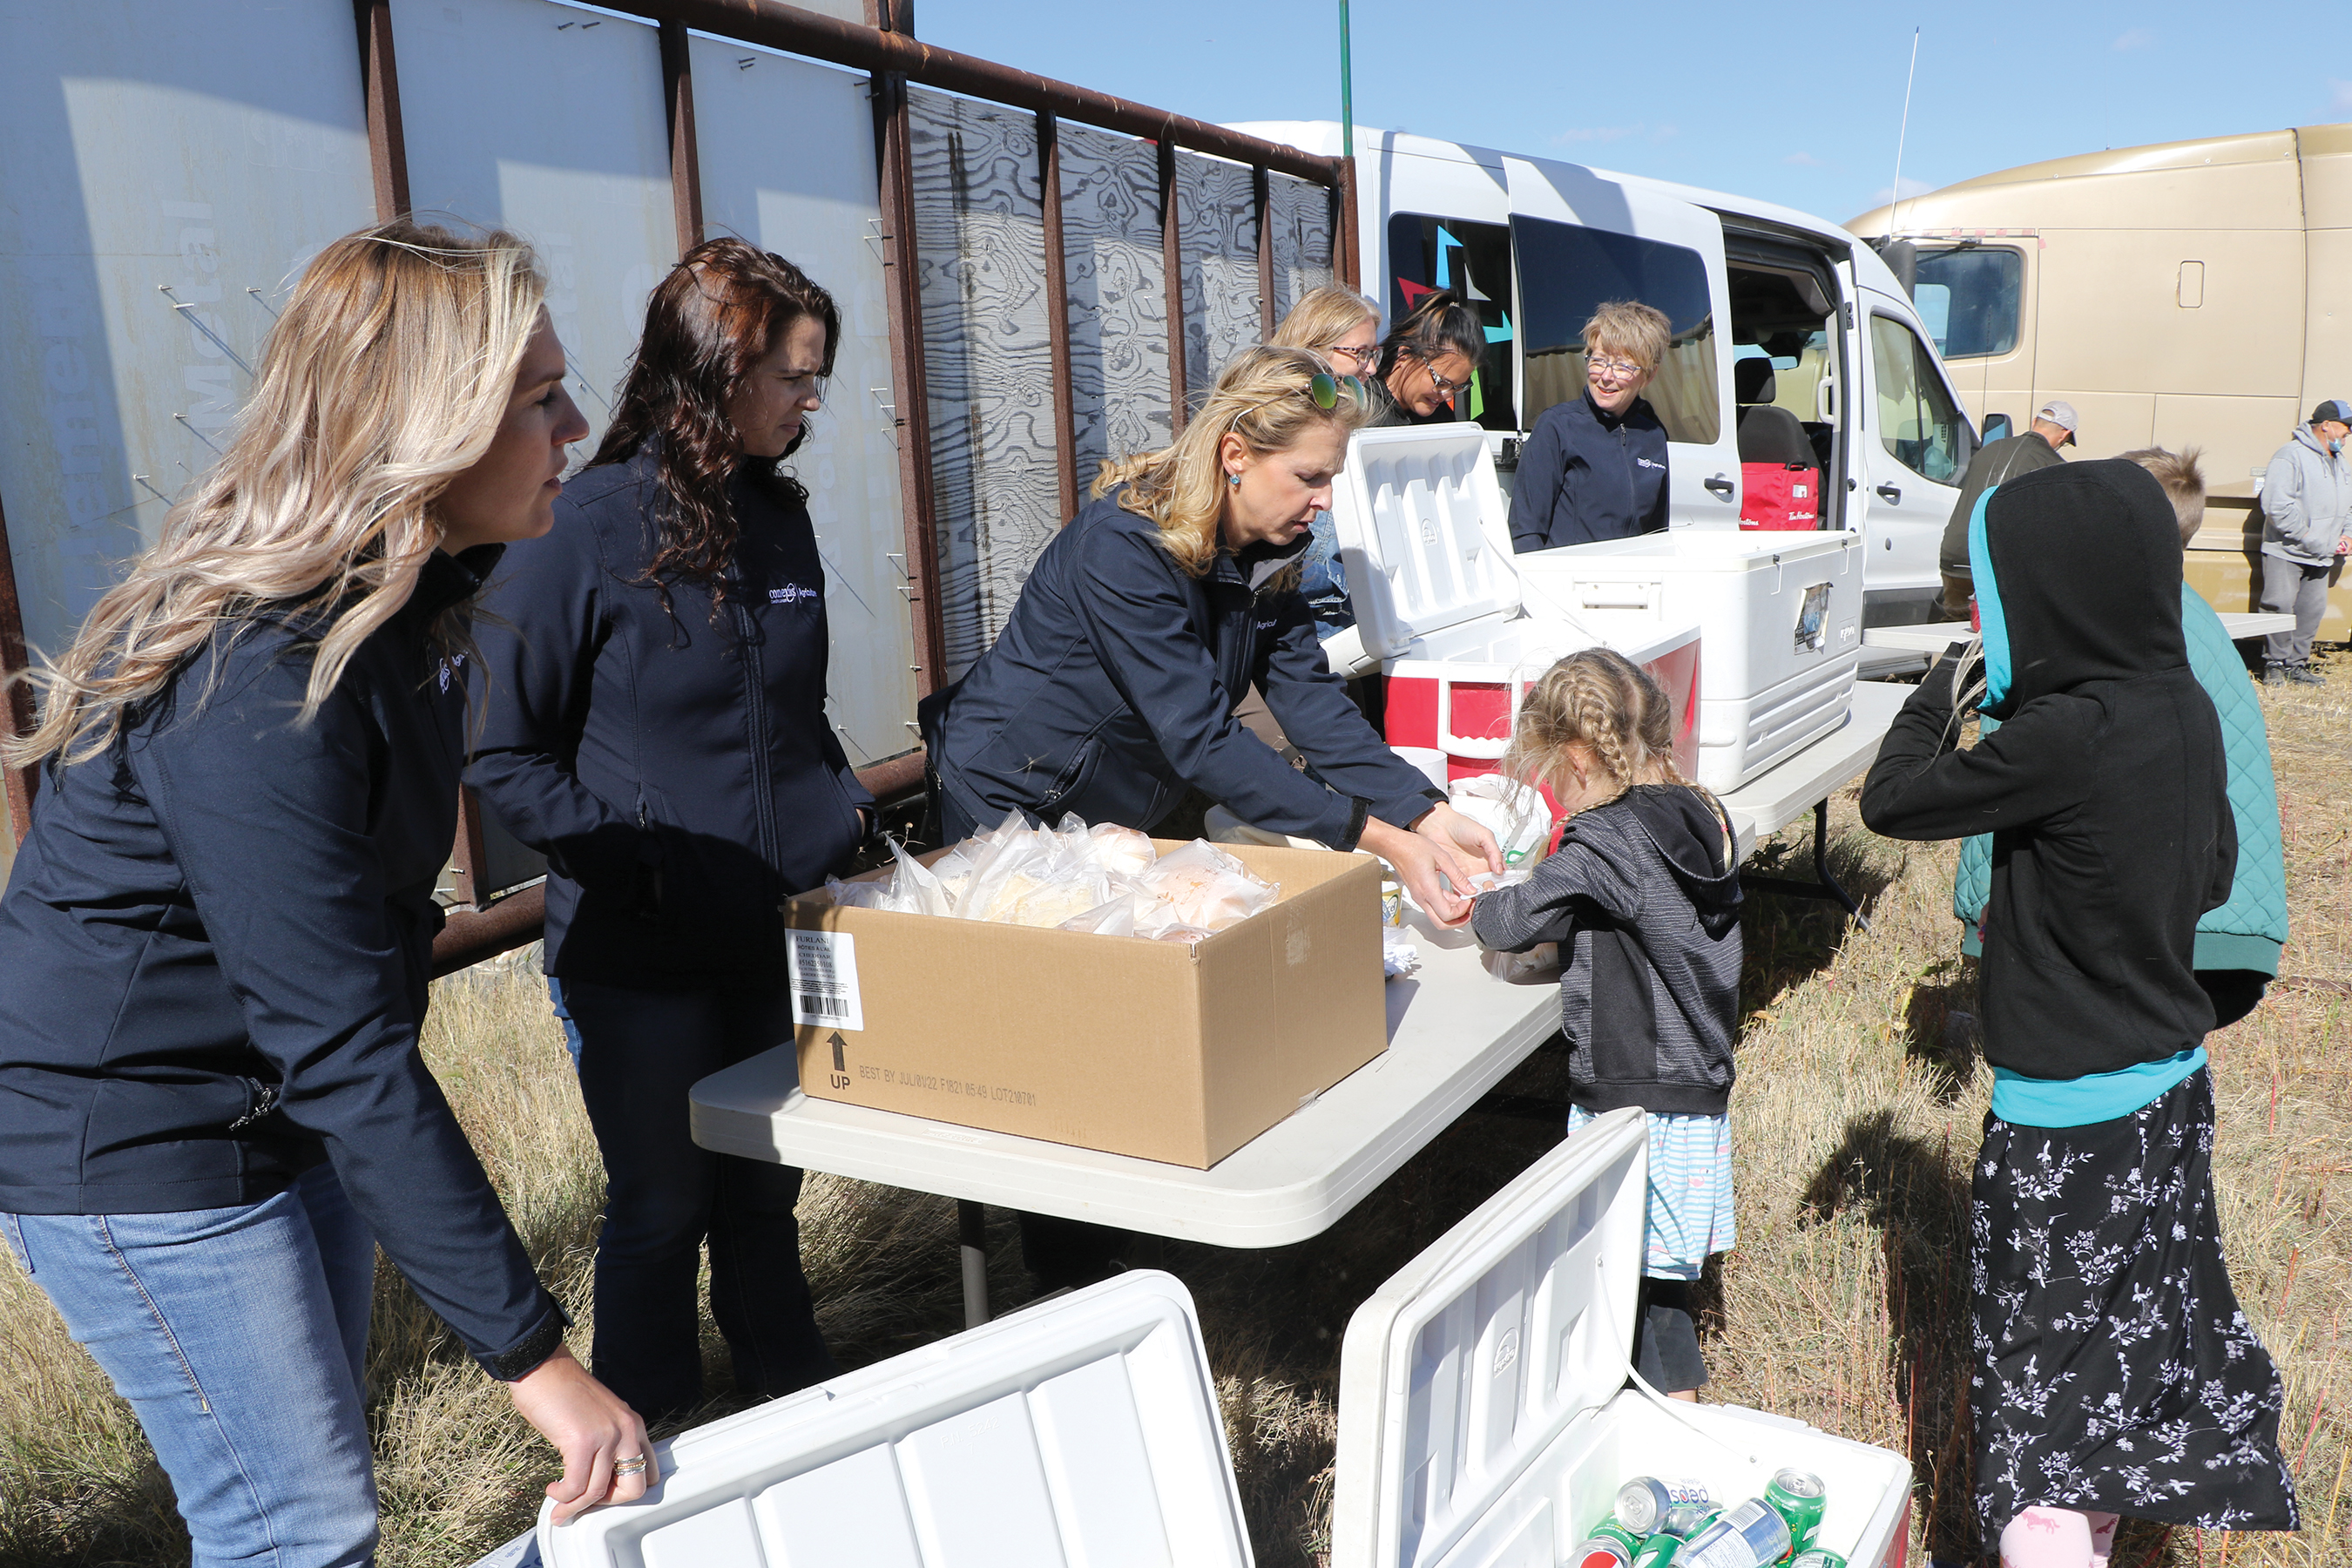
(823,965)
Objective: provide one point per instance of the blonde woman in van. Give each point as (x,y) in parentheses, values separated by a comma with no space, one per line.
(1595,466)
(218,933)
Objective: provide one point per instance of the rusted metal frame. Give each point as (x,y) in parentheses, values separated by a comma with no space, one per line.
(17,715)
(467,857)
(685,163)
(1347,248)
(787,27)
(1171,262)
(380,81)
(1057,311)
(1262,196)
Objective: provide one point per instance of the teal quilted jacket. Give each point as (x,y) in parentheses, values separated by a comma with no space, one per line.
(2248,931)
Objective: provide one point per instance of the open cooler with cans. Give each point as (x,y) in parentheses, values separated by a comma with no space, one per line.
(1424,537)
(1484,1422)
(1783,618)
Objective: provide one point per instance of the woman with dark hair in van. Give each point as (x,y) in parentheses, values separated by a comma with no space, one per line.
(1425,361)
(656,727)
(218,933)
(1595,466)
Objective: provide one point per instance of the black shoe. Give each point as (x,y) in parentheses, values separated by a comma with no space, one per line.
(2302,675)
(2274,675)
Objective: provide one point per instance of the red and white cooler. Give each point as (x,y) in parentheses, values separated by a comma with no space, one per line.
(1424,536)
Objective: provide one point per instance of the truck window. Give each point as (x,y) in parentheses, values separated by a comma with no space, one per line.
(1474,259)
(1968,298)
(1567,270)
(1917,417)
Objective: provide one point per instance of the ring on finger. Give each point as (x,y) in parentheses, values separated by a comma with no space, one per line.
(632,1466)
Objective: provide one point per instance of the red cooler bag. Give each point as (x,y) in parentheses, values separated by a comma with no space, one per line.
(1780,496)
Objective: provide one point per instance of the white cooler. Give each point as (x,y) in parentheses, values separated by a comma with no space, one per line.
(1424,537)
(1783,618)
(1484,1422)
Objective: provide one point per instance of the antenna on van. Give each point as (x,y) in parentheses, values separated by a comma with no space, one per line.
(1894,193)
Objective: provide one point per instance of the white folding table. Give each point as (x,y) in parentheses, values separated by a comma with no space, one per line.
(1455,1032)
(1936,635)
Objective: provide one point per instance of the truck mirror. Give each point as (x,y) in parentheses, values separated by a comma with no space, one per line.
(1901,258)
(1996,428)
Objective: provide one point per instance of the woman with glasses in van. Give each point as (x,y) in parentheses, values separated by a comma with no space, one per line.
(1344,328)
(1595,466)
(1426,363)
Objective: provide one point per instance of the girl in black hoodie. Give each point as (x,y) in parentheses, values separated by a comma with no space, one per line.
(2114,1372)
(1643,896)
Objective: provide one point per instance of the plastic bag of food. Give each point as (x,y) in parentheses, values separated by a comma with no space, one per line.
(1122,851)
(859,895)
(1206,888)
(914,886)
(1513,812)
(1055,900)
(1004,869)
(1114,916)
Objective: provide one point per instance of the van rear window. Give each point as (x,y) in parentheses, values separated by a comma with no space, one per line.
(1474,259)
(1968,298)
(1566,272)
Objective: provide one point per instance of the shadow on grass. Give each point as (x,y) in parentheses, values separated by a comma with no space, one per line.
(1940,1032)
(1788,938)
(1915,1193)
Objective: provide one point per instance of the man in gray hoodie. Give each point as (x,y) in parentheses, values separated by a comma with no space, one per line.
(2307,526)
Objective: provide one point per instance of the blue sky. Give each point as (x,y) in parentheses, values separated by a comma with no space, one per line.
(1802,110)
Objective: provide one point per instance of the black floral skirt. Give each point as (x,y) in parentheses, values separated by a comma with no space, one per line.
(2114,1371)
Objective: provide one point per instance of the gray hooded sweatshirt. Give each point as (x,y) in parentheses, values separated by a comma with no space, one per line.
(2306,502)
(1644,898)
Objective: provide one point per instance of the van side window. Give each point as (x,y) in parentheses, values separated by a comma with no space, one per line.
(1968,299)
(1428,253)
(1917,416)
(1566,270)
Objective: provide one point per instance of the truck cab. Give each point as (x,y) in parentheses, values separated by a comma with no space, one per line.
(1791,339)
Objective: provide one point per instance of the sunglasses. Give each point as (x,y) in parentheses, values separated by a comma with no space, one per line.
(1325,390)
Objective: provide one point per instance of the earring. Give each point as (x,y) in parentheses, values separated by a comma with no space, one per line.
(1234,480)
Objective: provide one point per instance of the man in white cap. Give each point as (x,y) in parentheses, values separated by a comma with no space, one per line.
(2053,426)
(2306,527)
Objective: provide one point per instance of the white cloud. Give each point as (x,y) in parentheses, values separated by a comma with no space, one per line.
(1910,187)
(1805,161)
(2135,38)
(2339,96)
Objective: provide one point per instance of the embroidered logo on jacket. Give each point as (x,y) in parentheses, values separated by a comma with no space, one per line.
(792,593)
(1648,463)
(452,668)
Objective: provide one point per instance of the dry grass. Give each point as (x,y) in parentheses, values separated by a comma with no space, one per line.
(1842,1306)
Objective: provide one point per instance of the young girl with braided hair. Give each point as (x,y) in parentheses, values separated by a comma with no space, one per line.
(1643,896)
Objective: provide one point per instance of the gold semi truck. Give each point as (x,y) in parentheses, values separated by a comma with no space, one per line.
(2190,293)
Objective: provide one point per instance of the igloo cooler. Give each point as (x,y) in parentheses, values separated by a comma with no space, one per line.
(1424,537)
(1485,1421)
(1783,618)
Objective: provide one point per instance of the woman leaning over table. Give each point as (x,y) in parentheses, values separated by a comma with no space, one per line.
(218,931)
(656,726)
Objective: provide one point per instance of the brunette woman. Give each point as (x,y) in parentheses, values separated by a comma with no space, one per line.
(657,728)
(218,931)
(1426,363)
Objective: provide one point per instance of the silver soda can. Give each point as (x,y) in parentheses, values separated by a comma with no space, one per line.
(1645,1500)
(1685,1520)
(1817,1557)
(1750,1536)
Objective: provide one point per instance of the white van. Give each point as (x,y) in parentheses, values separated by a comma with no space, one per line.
(1746,286)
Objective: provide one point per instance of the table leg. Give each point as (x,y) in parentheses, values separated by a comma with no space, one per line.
(1826,887)
(971,1232)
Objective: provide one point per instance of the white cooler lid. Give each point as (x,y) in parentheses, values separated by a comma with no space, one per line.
(1471,1362)
(1424,533)
(1083,1431)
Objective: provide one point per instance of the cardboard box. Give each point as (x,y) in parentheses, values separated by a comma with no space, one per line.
(1150,1049)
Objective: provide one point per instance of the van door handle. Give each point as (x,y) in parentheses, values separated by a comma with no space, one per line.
(1889,494)
(1717,485)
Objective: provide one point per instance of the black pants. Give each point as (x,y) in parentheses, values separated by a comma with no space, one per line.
(641,1051)
(1665,1337)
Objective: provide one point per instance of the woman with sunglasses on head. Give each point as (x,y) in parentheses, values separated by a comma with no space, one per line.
(1111,689)
(1426,363)
(657,728)
(1595,466)
(219,929)
(1344,328)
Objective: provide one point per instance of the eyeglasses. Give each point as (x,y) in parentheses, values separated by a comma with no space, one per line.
(1362,357)
(1600,365)
(1445,389)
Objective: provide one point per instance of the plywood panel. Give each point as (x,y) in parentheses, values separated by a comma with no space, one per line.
(156,156)
(812,199)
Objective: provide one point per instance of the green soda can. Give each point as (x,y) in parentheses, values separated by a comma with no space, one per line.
(1798,1497)
(1658,1552)
(1817,1558)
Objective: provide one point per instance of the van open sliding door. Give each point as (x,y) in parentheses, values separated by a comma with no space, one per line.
(1578,239)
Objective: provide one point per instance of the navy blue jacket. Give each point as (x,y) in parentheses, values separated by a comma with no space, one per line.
(218,940)
(1113,686)
(677,769)
(1587,474)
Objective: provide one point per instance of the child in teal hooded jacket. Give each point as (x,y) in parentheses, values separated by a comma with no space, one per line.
(2238,944)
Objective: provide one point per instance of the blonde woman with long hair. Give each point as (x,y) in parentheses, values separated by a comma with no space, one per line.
(1111,690)
(212,1108)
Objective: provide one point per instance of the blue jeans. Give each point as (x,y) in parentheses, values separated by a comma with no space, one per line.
(640,1053)
(239,1336)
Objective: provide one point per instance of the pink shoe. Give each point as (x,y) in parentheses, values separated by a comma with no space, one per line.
(2046,1538)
